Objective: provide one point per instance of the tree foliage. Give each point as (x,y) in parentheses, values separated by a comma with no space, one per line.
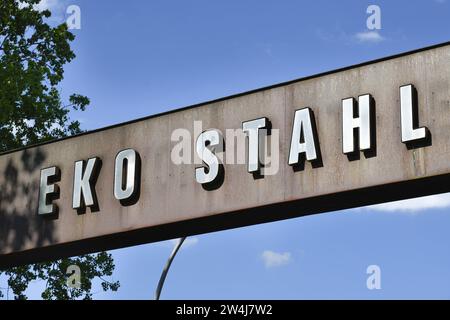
(32,56)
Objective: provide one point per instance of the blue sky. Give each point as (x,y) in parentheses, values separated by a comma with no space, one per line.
(136,58)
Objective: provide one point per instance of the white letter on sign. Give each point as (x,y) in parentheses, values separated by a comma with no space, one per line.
(127,176)
(84,183)
(409,115)
(206,143)
(361,121)
(48,191)
(251,128)
(303,140)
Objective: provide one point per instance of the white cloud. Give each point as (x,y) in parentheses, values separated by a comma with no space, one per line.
(48,5)
(57,8)
(339,35)
(415,205)
(188,242)
(274,259)
(369,36)
(52,5)
(43,4)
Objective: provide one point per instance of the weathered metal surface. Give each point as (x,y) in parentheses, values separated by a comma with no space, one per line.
(173,204)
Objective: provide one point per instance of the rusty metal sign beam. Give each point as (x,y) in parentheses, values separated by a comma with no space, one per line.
(369,133)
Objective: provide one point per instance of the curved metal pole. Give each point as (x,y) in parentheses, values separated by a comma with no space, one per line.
(166,268)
